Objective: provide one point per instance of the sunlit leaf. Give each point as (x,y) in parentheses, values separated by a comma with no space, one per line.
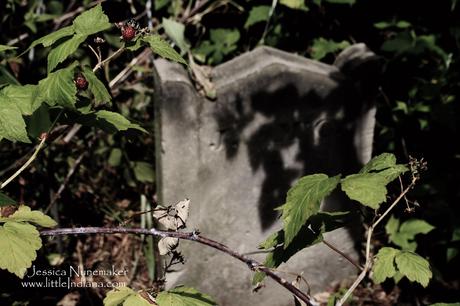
(144,172)
(61,52)
(295,4)
(414,267)
(58,88)
(124,296)
(322,47)
(368,189)
(24,97)
(18,245)
(163,49)
(184,296)
(51,38)
(384,265)
(175,30)
(117,121)
(25,214)
(257,14)
(91,21)
(12,125)
(5,47)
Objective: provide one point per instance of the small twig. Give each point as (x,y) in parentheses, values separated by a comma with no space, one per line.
(67,178)
(96,54)
(116,53)
(192,236)
(370,231)
(26,164)
(350,260)
(267,24)
(198,6)
(127,69)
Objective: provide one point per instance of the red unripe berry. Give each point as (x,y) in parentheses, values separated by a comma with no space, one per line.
(81,82)
(128,32)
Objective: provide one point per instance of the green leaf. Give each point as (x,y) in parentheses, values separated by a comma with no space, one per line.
(25,214)
(64,50)
(184,296)
(380,162)
(350,2)
(368,189)
(414,227)
(51,38)
(392,226)
(101,95)
(117,296)
(134,44)
(4,48)
(257,14)
(6,200)
(445,304)
(392,173)
(159,4)
(136,300)
(322,47)
(91,21)
(163,49)
(414,267)
(175,30)
(24,97)
(385,165)
(223,42)
(382,25)
(273,240)
(295,4)
(18,244)
(303,201)
(310,234)
(58,88)
(369,186)
(384,266)
(405,235)
(12,125)
(119,122)
(115,157)
(403,24)
(124,296)
(144,172)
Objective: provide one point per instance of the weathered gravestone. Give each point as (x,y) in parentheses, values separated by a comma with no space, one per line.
(277,117)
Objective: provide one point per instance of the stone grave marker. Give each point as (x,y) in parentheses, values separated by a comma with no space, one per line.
(277,117)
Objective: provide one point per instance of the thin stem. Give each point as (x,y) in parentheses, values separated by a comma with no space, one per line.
(192,236)
(116,53)
(370,231)
(267,24)
(26,164)
(350,260)
(414,180)
(95,53)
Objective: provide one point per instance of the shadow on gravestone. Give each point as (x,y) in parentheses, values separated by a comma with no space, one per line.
(277,117)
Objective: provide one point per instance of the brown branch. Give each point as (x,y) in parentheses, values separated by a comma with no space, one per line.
(350,260)
(192,236)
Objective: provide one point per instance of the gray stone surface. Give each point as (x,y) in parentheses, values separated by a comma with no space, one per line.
(277,117)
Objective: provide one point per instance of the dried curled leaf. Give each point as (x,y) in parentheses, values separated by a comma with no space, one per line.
(167,244)
(172,218)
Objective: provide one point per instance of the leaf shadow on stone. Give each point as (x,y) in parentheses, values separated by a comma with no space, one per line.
(317,126)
